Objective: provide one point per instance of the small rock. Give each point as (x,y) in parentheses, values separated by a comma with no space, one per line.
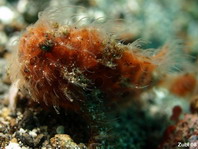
(33,134)
(7,14)
(27,140)
(38,140)
(12,122)
(21,131)
(63,141)
(13,146)
(5,112)
(60,129)
(14,140)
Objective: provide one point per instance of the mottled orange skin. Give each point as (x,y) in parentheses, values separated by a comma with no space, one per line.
(86,50)
(183,85)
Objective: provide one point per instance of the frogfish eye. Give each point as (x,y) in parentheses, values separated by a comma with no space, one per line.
(46,46)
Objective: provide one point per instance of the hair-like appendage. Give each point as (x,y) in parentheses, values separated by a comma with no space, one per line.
(172,58)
